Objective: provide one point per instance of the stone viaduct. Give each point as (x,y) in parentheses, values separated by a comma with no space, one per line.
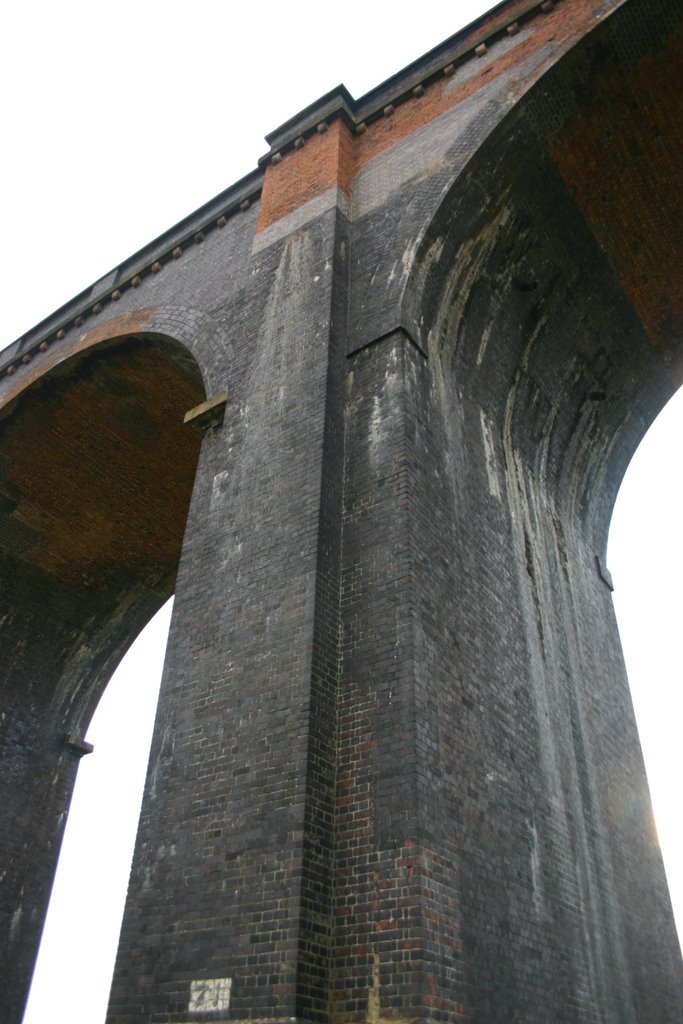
(395,772)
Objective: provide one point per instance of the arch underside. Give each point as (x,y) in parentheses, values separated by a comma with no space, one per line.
(95,482)
(550,278)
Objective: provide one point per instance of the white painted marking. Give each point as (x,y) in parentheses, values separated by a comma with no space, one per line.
(210,994)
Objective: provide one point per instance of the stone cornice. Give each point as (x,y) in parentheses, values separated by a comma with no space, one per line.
(151,259)
(471,42)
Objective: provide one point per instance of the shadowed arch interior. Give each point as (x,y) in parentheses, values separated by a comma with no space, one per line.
(550,279)
(95,484)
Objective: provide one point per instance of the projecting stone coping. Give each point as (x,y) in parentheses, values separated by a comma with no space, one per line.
(474,41)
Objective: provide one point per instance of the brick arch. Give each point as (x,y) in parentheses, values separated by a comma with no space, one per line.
(550,276)
(194,330)
(203,336)
(95,485)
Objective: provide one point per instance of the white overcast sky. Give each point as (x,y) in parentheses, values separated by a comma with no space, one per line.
(117,120)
